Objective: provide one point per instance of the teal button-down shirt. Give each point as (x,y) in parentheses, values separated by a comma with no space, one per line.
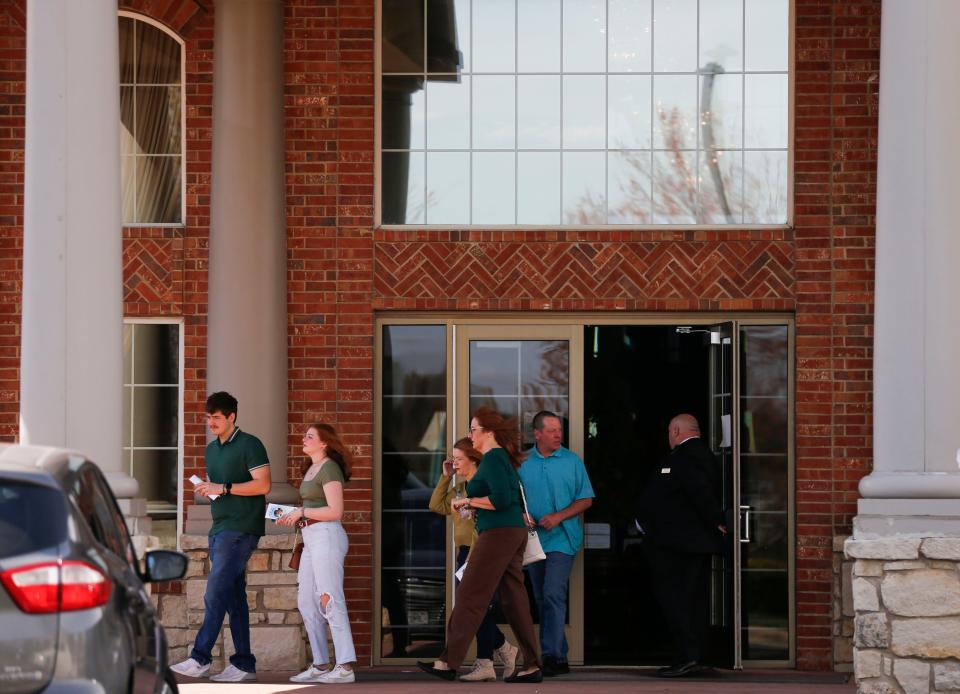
(552,483)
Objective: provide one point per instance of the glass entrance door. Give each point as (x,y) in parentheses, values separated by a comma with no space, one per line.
(519,371)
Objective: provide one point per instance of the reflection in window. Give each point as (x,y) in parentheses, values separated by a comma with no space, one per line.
(765,489)
(660,111)
(151,418)
(413,435)
(151,142)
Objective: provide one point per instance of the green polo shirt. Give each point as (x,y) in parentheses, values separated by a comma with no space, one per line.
(496,478)
(232,462)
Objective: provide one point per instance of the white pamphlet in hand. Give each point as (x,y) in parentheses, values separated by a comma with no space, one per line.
(196,480)
(459,572)
(275,511)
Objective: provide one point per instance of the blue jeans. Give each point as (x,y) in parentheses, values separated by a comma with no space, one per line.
(550,579)
(489,636)
(227,594)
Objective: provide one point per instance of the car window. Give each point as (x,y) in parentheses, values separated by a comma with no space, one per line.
(96,505)
(22,529)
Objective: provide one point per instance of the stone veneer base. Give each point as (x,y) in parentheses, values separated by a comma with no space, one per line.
(906,597)
(277,636)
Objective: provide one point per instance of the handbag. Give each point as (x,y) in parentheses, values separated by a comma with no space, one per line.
(297,551)
(533,552)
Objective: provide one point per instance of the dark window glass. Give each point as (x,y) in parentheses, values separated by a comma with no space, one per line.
(156,472)
(158,353)
(766,626)
(413,441)
(22,528)
(156,411)
(402,46)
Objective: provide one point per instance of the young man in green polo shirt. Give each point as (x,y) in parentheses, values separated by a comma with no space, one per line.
(239,474)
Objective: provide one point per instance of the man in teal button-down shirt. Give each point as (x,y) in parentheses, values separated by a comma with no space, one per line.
(558,490)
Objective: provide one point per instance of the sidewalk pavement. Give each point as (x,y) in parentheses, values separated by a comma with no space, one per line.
(394,680)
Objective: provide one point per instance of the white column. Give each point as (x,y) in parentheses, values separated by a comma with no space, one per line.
(71,385)
(247,325)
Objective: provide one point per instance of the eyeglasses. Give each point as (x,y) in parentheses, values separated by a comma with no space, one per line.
(473,429)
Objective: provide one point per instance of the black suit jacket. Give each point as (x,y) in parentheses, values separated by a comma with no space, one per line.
(680,507)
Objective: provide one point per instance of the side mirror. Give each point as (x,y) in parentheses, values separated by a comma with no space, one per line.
(164,565)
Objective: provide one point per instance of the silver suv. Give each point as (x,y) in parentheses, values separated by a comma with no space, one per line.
(74,615)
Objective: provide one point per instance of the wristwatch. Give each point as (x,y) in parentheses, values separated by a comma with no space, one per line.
(226,488)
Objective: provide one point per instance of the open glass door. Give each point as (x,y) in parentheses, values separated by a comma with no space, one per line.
(520,370)
(723,633)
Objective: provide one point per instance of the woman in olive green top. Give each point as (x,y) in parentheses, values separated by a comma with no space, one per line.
(457,472)
(496,560)
(320,594)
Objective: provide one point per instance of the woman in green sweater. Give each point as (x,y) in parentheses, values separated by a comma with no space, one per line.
(496,560)
(457,472)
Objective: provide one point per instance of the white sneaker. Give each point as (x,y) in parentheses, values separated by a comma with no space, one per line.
(339,675)
(482,672)
(232,673)
(311,674)
(191,668)
(507,654)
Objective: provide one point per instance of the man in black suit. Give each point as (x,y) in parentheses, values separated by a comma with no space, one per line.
(679,513)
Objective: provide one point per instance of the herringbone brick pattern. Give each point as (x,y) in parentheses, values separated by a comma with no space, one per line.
(710,274)
(152,271)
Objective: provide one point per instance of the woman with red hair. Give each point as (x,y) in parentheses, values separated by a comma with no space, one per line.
(497,557)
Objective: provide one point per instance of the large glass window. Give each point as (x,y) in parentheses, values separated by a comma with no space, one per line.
(151,418)
(584,112)
(151,123)
(413,436)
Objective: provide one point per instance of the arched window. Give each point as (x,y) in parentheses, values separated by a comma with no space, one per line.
(151,118)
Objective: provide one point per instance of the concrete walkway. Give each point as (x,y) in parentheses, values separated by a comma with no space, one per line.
(580,681)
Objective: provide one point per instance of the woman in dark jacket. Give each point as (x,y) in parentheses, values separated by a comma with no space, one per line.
(497,557)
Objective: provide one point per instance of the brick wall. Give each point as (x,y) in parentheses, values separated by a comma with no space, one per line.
(340,270)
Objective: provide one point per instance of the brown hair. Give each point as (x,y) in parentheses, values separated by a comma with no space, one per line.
(336,450)
(505,431)
(465,446)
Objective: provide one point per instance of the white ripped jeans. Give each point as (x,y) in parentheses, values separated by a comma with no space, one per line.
(321,573)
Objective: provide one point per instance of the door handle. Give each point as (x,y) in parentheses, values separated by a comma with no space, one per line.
(745,520)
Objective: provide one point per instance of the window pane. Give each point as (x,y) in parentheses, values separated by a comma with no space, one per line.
(158,56)
(583,112)
(721,35)
(128,143)
(764,368)
(629,48)
(127,353)
(765,187)
(156,413)
(448,188)
(675,104)
(448,35)
(674,187)
(494,115)
(508,407)
(763,482)
(721,103)
(675,35)
(448,114)
(156,471)
(415,424)
(494,367)
(538,112)
(584,35)
(127,49)
(403,113)
(629,112)
(628,187)
(494,22)
(767,26)
(158,189)
(768,544)
(402,47)
(127,423)
(128,173)
(583,187)
(538,188)
(414,360)
(765,422)
(158,120)
(766,618)
(721,187)
(494,188)
(765,105)
(538,36)
(402,193)
(157,358)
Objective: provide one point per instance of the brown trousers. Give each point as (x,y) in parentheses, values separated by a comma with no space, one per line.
(496,561)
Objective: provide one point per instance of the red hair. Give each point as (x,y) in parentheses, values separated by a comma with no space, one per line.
(505,431)
(336,450)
